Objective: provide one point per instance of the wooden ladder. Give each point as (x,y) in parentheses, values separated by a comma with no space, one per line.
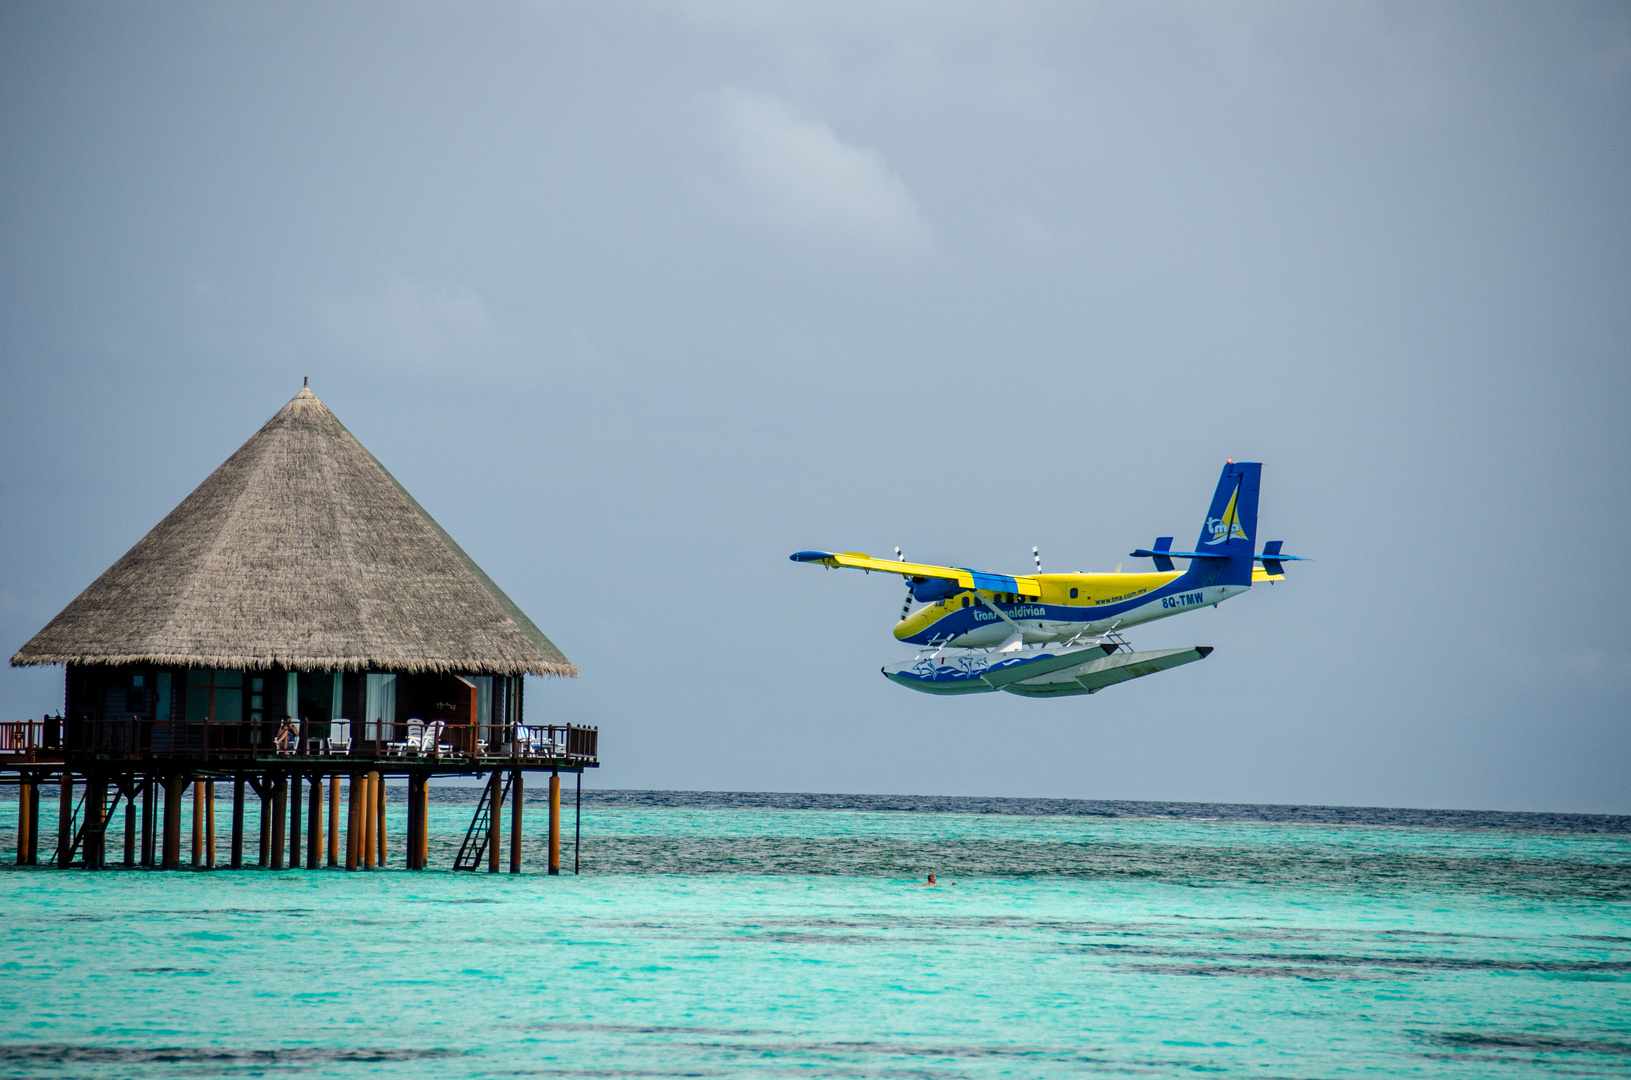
(111,804)
(473,850)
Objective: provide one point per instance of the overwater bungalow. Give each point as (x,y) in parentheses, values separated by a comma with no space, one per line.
(298,621)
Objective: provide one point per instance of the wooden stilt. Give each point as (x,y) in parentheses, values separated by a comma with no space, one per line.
(379,819)
(370,803)
(96,828)
(495,824)
(209,823)
(280,809)
(577,827)
(65,817)
(23,789)
(424,823)
(150,820)
(554,823)
(198,823)
(516,798)
(34,823)
(130,822)
(334,820)
(412,839)
(263,789)
(294,822)
(237,822)
(353,823)
(314,830)
(174,785)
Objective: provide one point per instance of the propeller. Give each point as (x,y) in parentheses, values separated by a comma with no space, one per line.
(1037,555)
(906,605)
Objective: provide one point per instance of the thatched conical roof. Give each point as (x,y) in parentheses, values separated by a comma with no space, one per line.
(300,551)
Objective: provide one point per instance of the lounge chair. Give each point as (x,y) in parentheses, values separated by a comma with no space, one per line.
(433,740)
(413,744)
(339,736)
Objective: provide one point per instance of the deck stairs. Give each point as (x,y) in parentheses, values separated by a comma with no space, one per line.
(473,851)
(81,823)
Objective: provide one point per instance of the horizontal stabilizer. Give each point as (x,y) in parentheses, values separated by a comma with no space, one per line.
(1273,561)
(1168,556)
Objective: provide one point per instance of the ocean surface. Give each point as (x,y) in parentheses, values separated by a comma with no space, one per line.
(725,935)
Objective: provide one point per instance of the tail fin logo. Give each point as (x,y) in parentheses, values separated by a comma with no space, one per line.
(1227,527)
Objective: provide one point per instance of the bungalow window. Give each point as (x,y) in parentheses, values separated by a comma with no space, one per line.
(215,696)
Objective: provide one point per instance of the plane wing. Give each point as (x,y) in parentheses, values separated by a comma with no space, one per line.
(965,577)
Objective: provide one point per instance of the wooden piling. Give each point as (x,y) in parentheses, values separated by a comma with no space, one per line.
(25,789)
(198,823)
(495,820)
(554,823)
(411,840)
(294,822)
(280,798)
(353,824)
(334,820)
(95,830)
(424,823)
(517,794)
(370,804)
(65,816)
(379,818)
(174,785)
(150,819)
(130,823)
(314,834)
(263,791)
(34,824)
(209,823)
(237,822)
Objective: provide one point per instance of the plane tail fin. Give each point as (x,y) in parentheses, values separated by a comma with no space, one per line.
(1230,529)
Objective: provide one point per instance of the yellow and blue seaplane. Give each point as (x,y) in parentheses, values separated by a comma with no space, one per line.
(1054,635)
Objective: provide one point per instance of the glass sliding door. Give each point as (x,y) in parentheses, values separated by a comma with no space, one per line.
(379,708)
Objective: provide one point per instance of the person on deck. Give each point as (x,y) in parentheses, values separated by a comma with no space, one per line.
(285,735)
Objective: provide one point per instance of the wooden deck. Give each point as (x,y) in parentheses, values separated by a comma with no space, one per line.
(101,768)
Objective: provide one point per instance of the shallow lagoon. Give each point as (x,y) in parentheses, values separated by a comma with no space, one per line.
(725,936)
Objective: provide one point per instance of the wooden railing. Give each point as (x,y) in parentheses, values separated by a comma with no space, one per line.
(569,743)
(30,739)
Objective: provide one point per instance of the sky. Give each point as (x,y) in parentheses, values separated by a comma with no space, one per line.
(638,299)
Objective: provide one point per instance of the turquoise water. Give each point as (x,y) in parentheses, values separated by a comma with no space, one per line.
(721,936)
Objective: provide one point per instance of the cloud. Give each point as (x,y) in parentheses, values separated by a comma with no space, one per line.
(797,175)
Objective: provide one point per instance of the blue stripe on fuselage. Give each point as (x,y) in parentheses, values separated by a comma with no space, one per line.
(961,620)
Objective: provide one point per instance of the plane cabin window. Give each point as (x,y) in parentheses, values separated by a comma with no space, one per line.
(965,601)
(1073,594)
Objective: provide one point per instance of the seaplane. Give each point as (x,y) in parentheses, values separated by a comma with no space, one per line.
(1058,635)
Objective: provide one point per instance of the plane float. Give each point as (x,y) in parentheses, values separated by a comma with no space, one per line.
(1055,635)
